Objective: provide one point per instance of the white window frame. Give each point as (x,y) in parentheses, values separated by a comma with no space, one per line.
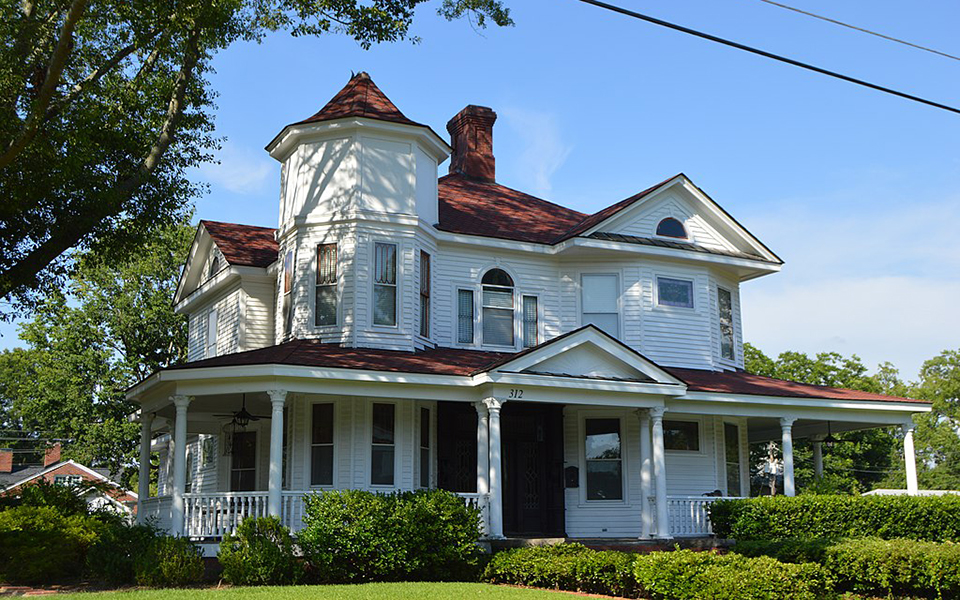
(619,275)
(429,295)
(256,429)
(740,460)
(337,286)
(682,220)
(396,445)
(701,435)
(308,451)
(456,315)
(539,339)
(517,311)
(733,327)
(67,480)
(398,316)
(624,459)
(687,279)
(431,473)
(287,311)
(211,333)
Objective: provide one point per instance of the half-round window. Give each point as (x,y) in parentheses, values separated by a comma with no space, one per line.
(671,227)
(498,308)
(215,265)
(497,277)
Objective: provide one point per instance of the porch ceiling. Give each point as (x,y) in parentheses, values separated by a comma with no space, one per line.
(762,429)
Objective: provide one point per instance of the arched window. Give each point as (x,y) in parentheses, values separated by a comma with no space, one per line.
(498,308)
(215,265)
(671,227)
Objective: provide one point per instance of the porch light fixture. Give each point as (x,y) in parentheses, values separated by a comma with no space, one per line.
(829,441)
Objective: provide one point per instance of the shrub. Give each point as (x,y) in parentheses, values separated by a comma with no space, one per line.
(261,552)
(569,567)
(354,536)
(789,550)
(112,558)
(899,567)
(40,545)
(689,575)
(931,518)
(169,562)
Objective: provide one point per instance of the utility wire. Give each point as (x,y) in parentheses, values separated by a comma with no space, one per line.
(861,29)
(777,57)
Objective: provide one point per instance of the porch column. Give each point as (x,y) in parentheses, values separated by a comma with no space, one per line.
(143,479)
(646,515)
(179,463)
(910,458)
(817,458)
(660,473)
(275,481)
(786,429)
(483,458)
(496,493)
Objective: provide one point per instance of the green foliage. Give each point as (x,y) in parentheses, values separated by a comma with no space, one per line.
(355,536)
(570,567)
(690,575)
(64,499)
(791,550)
(934,518)
(169,562)
(38,544)
(113,557)
(895,567)
(261,552)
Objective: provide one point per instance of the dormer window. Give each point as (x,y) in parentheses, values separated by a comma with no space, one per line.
(671,227)
(498,308)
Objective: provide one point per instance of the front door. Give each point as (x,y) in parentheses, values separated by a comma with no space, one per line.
(243,462)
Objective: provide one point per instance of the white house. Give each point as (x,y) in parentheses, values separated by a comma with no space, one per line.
(574,375)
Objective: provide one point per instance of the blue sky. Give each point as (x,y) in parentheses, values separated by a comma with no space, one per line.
(859,192)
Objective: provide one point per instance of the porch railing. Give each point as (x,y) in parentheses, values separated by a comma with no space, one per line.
(157,511)
(688,515)
(480,501)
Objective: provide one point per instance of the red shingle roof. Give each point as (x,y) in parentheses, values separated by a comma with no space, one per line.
(244,245)
(361,98)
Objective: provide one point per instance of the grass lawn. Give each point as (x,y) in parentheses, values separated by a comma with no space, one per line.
(367,591)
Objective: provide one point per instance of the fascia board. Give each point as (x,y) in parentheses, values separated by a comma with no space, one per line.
(598,385)
(821,403)
(685,255)
(283,144)
(200,236)
(226,276)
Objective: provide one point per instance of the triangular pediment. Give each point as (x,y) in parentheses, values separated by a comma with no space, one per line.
(587,353)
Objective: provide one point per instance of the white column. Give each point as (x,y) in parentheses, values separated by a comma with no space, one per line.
(818,458)
(660,473)
(646,477)
(143,479)
(910,458)
(496,480)
(275,480)
(179,463)
(786,429)
(483,459)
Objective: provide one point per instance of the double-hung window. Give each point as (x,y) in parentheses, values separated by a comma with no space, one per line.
(498,308)
(210,344)
(604,459)
(531,323)
(326,292)
(600,299)
(731,440)
(465,316)
(424,294)
(288,293)
(321,445)
(424,447)
(383,440)
(385,284)
(725,307)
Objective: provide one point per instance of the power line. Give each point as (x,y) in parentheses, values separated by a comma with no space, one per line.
(861,29)
(764,53)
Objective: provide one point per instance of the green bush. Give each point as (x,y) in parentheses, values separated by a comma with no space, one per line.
(261,552)
(899,567)
(169,562)
(112,558)
(930,518)
(789,550)
(689,575)
(40,545)
(354,536)
(569,567)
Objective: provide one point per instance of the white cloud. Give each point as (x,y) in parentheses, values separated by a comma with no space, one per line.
(544,150)
(240,170)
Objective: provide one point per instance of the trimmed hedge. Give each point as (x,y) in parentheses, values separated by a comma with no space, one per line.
(38,544)
(929,518)
(899,567)
(169,562)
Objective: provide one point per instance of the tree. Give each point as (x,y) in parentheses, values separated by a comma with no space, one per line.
(105,105)
(114,327)
(861,459)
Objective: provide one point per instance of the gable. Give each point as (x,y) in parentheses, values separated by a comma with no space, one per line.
(671,205)
(588,360)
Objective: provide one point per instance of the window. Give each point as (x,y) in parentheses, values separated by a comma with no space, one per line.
(674,292)
(287,293)
(424,294)
(731,441)
(681,435)
(671,227)
(531,326)
(243,461)
(465,316)
(68,480)
(725,306)
(604,462)
(188,484)
(321,445)
(215,264)
(211,341)
(424,447)
(381,457)
(208,451)
(497,308)
(326,293)
(600,297)
(385,284)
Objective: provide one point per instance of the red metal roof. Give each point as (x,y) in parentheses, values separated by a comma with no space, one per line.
(361,98)
(244,245)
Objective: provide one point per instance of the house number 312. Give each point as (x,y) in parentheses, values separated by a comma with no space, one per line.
(516,393)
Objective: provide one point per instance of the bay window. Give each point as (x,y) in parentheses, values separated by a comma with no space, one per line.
(424,294)
(385,284)
(326,292)
(674,292)
(287,308)
(725,308)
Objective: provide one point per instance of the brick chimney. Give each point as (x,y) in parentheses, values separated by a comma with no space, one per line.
(471,135)
(6,460)
(51,455)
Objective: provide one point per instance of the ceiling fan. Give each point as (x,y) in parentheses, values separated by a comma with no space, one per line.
(243,417)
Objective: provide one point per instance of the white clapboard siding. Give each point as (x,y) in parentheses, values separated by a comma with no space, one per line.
(257,315)
(644,224)
(694,473)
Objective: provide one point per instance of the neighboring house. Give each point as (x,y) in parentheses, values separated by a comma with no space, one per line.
(574,375)
(106,494)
